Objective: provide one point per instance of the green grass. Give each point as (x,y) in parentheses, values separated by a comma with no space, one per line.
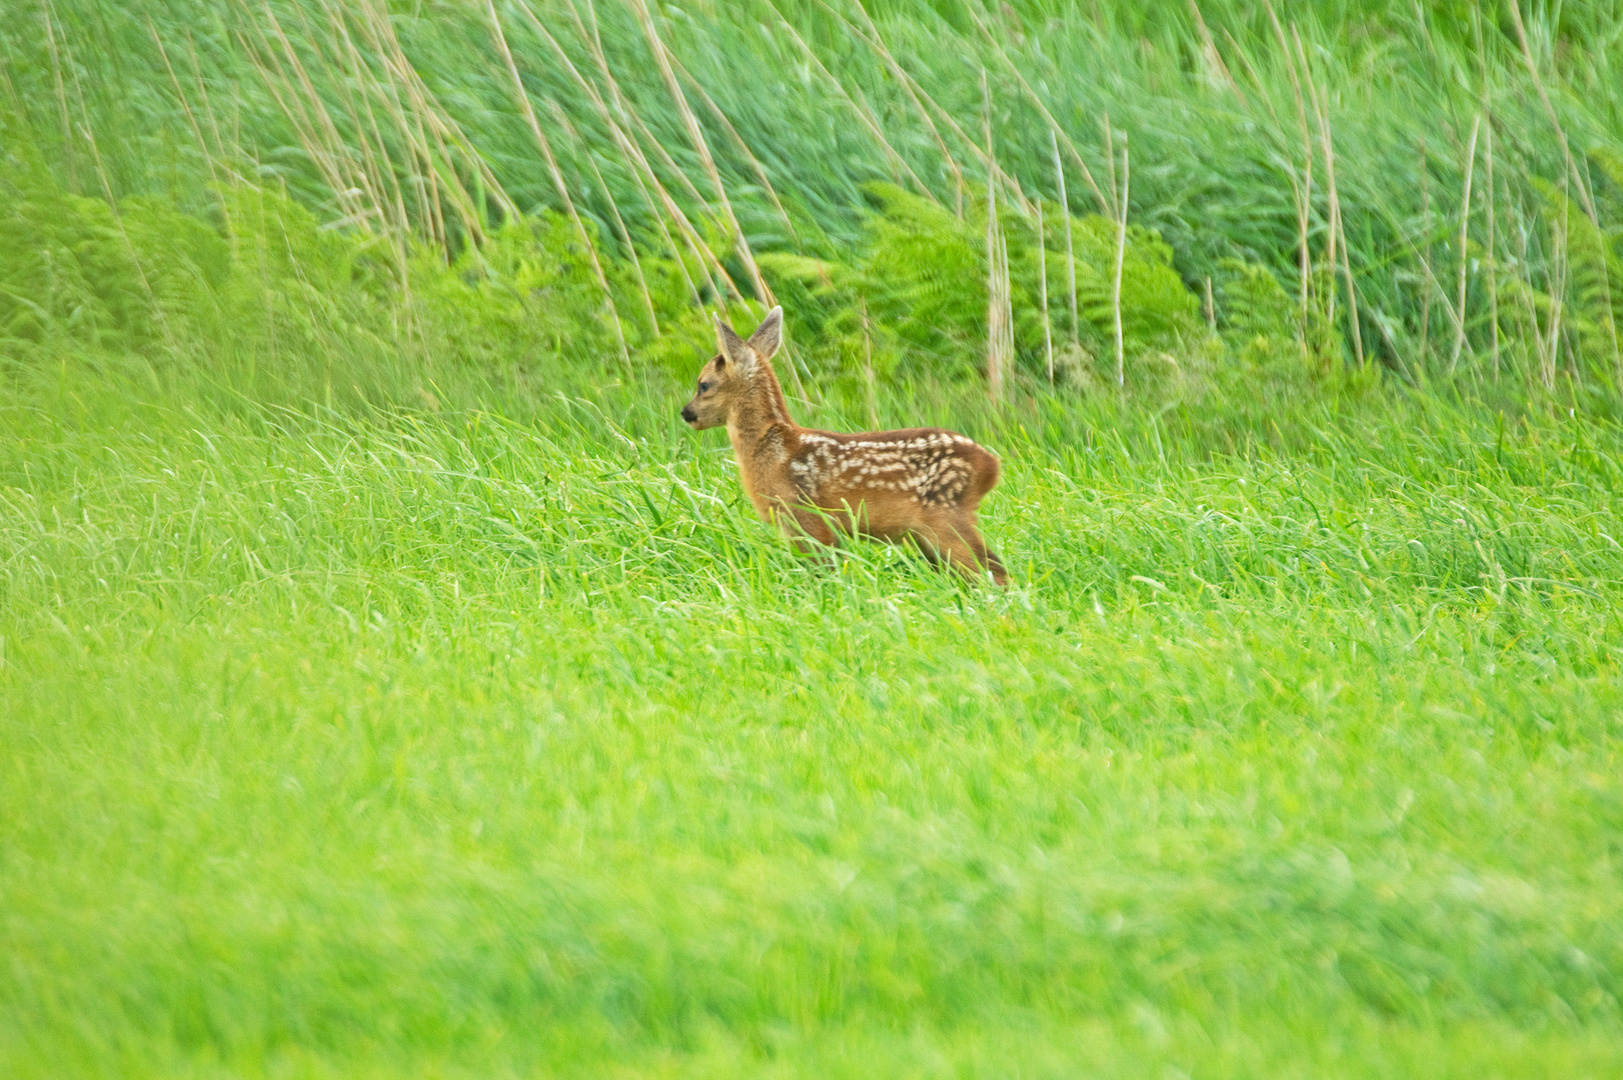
(189,97)
(454,743)
(390,686)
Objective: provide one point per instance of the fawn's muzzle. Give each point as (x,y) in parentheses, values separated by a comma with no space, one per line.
(688,414)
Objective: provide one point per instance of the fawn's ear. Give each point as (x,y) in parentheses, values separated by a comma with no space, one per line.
(769,335)
(734,350)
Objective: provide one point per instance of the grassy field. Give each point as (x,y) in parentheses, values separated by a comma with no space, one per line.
(391,686)
(449,743)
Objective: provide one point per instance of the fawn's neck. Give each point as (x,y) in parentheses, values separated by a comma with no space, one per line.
(762,409)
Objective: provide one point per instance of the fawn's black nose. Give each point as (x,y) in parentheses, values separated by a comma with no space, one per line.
(688,414)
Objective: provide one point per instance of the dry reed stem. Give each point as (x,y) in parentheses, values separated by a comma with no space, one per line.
(346,192)
(1332,231)
(1110,157)
(292,107)
(444,129)
(1465,237)
(863,113)
(1529,309)
(365,164)
(1493,262)
(878,43)
(1338,228)
(627,132)
(1048,117)
(999,314)
(558,179)
(410,122)
(185,104)
(1214,59)
(380,162)
(363,73)
(868,382)
(1304,201)
(696,135)
(1070,254)
(1557,293)
(1425,249)
(1121,255)
(634,160)
(61,97)
(1572,169)
(1042,287)
(743,147)
(1011,184)
(709,265)
(1256,80)
(619,222)
(1492,247)
(374,163)
(89,133)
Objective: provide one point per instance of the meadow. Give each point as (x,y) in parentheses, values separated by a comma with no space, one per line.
(391,685)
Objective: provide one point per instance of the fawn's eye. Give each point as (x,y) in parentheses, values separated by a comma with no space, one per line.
(703,387)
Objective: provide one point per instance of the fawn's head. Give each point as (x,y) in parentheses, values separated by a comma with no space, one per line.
(729,377)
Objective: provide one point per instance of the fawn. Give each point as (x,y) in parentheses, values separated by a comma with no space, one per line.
(918,485)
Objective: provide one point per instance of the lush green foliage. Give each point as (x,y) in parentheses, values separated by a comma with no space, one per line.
(401,118)
(390,686)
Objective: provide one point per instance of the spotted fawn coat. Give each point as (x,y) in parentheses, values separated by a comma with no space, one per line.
(918,485)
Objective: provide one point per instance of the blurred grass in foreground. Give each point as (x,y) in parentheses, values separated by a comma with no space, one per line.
(389,686)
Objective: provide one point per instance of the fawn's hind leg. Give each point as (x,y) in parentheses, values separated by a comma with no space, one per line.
(808,530)
(956,540)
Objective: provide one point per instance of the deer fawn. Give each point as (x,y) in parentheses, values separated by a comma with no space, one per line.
(919,485)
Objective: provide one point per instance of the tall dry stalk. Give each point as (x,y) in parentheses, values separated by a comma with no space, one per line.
(1577,179)
(710,266)
(1557,290)
(88,132)
(869,386)
(1302,191)
(1121,256)
(917,93)
(696,136)
(1336,230)
(1048,117)
(558,183)
(1070,253)
(743,147)
(1465,239)
(1425,250)
(1042,291)
(863,114)
(664,208)
(1493,267)
(614,209)
(1525,293)
(185,105)
(1487,161)
(999,312)
(877,42)
(68,159)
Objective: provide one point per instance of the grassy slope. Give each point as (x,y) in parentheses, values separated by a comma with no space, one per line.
(356,740)
(448,744)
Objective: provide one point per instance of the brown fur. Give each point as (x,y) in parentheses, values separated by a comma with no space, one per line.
(918,485)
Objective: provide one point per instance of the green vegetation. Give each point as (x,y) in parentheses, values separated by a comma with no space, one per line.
(390,685)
